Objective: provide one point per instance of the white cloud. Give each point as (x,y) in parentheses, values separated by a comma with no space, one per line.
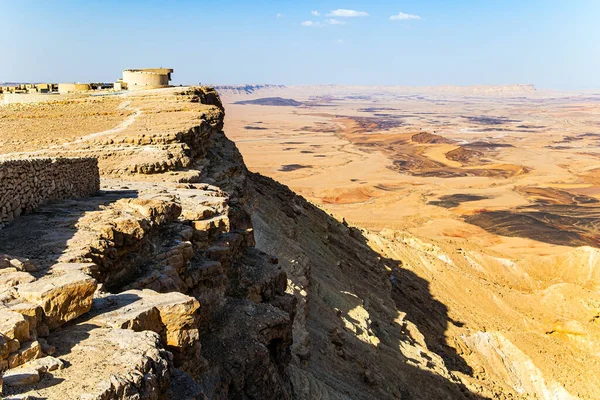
(279,15)
(404,17)
(334,21)
(311,23)
(315,13)
(340,41)
(340,12)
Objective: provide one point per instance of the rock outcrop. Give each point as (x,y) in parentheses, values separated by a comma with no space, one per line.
(156,288)
(188,277)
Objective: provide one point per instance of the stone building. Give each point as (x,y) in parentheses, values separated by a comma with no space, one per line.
(149,78)
(30,88)
(73,87)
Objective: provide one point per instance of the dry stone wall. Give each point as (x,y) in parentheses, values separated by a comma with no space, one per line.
(26,98)
(28,183)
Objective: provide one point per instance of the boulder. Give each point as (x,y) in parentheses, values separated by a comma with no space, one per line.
(19,264)
(23,265)
(62,297)
(21,377)
(30,372)
(172,315)
(27,352)
(12,277)
(44,364)
(13,325)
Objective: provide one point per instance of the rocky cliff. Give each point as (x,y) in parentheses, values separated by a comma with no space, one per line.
(188,277)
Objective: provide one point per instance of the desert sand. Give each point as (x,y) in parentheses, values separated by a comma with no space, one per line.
(498,184)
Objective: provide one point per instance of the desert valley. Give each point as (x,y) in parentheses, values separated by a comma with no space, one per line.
(488,194)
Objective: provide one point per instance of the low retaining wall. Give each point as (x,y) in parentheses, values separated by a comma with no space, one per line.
(26,98)
(28,183)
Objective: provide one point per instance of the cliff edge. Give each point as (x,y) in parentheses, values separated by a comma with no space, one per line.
(188,277)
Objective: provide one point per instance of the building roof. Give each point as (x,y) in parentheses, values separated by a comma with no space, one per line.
(160,71)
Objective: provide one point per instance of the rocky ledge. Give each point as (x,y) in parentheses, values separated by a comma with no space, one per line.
(150,289)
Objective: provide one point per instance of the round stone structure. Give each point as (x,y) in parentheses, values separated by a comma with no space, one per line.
(73,87)
(147,78)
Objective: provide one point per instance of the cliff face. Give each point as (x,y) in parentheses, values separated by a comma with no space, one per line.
(190,277)
(351,335)
(154,285)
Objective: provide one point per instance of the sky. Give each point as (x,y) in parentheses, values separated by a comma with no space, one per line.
(553,44)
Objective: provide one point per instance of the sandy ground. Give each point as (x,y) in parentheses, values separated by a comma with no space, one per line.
(61,121)
(514,212)
(330,154)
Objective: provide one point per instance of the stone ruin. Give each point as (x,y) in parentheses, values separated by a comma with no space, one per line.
(30,88)
(28,183)
(133,79)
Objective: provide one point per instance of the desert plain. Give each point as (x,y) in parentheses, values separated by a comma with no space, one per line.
(499,184)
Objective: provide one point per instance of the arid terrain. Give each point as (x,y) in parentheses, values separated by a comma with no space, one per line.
(317,242)
(489,194)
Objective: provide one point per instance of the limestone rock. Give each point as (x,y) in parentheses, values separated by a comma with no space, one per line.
(21,377)
(4,348)
(160,210)
(44,364)
(173,315)
(103,363)
(199,212)
(13,325)
(19,264)
(30,372)
(86,268)
(12,277)
(27,352)
(62,297)
(137,368)
(31,312)
(23,265)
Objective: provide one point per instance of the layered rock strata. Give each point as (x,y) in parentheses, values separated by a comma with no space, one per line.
(132,293)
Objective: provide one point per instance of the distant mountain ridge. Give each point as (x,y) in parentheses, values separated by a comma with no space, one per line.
(513,90)
(271,101)
(245,89)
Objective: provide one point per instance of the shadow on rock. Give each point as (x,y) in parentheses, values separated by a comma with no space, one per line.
(372,329)
(43,235)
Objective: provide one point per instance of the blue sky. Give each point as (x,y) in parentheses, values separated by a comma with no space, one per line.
(551,43)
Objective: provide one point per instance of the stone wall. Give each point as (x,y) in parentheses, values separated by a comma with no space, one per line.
(25,98)
(29,183)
